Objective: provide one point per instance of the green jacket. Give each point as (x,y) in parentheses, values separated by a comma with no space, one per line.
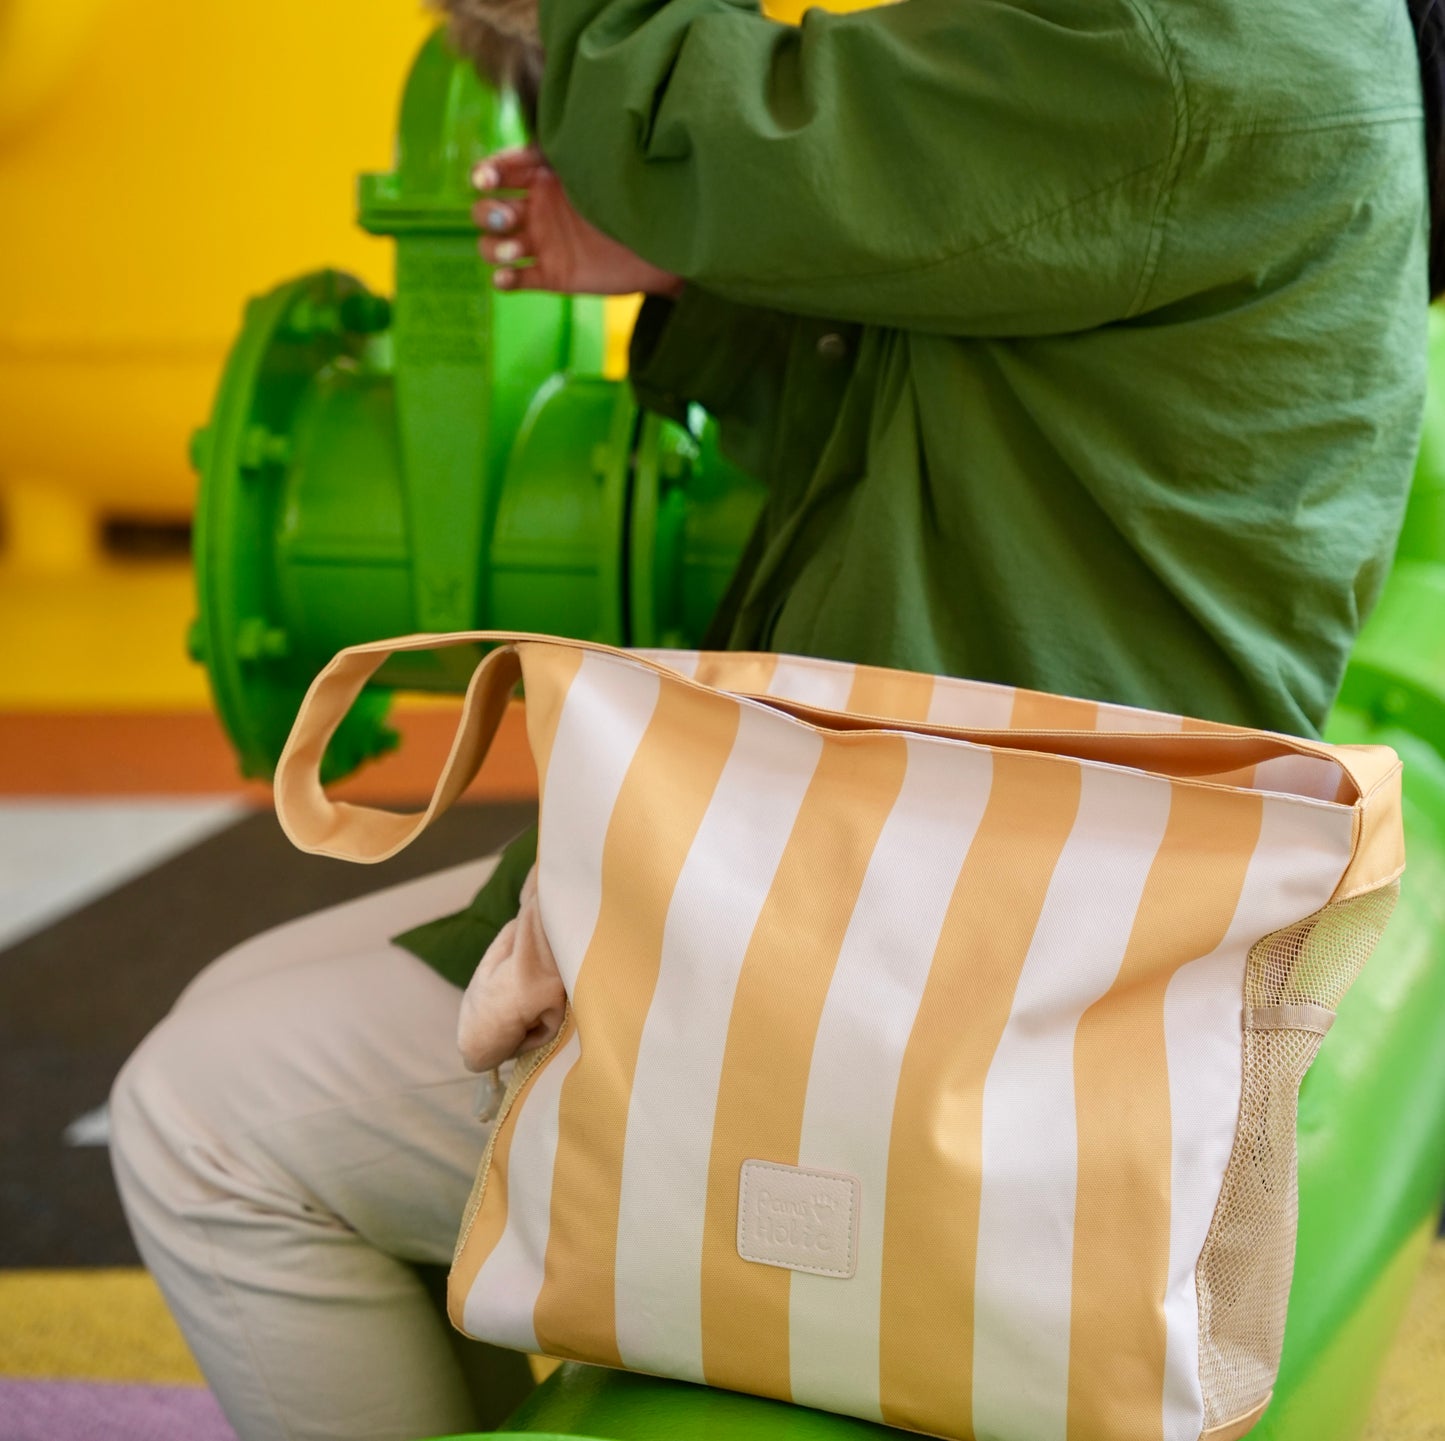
(1080,343)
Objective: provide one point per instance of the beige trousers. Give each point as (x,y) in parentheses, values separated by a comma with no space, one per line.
(297,1131)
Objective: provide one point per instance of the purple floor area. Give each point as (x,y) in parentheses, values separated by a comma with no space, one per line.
(103,1411)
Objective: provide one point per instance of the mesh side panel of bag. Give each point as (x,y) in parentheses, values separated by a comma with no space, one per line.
(1244,1271)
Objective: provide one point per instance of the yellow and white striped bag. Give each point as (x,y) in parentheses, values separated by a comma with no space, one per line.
(932,1048)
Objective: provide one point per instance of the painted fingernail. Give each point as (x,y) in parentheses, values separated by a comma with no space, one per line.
(499,218)
(508,251)
(485,176)
(504,279)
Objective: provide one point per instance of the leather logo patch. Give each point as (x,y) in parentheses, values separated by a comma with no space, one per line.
(798,1219)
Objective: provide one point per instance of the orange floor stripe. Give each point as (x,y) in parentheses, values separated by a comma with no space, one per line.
(187,753)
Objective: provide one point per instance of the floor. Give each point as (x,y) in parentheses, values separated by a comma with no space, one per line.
(131,853)
(109,908)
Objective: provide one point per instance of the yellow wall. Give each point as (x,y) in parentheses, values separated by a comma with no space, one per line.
(160,161)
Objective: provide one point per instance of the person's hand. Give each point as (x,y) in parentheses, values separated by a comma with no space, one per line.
(538,241)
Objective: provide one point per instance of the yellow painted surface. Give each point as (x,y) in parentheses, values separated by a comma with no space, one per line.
(90,1326)
(542,1367)
(621,312)
(161,161)
(104,639)
(1410,1405)
(41,42)
(792,11)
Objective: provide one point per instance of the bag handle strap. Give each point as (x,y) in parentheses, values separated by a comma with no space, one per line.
(317,824)
(312,820)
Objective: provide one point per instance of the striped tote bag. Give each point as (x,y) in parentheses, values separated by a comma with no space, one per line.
(932,1047)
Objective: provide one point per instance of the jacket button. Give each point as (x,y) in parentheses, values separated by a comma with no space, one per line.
(832,346)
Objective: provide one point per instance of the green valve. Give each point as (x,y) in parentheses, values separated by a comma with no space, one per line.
(446,459)
(200,440)
(196,641)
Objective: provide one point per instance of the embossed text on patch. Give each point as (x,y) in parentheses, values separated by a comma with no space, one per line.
(798,1219)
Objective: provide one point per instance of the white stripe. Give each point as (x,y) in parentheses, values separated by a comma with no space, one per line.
(826,684)
(867,1018)
(1312,776)
(1302,852)
(719,894)
(684,662)
(975,704)
(1130,718)
(1024,1279)
(606,711)
(503,1299)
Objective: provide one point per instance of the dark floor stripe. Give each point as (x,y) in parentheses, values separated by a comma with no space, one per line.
(77,997)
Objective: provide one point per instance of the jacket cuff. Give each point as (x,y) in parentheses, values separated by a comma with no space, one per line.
(697,349)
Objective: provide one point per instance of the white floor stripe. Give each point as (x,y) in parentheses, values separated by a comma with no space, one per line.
(863,1033)
(57,856)
(1024,1279)
(719,894)
(90,1129)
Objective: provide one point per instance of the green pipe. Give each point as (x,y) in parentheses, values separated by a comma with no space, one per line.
(448,460)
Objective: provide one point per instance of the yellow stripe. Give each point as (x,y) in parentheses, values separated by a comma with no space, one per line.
(661,805)
(490,1220)
(1037,711)
(1241,777)
(84,1325)
(936,1151)
(1192,725)
(1121,1080)
(903,695)
(743,673)
(771,1032)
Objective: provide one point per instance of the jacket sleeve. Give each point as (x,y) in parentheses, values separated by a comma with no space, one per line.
(961,166)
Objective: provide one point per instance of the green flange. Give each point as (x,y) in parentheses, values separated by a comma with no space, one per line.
(691,514)
(320,324)
(350,475)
